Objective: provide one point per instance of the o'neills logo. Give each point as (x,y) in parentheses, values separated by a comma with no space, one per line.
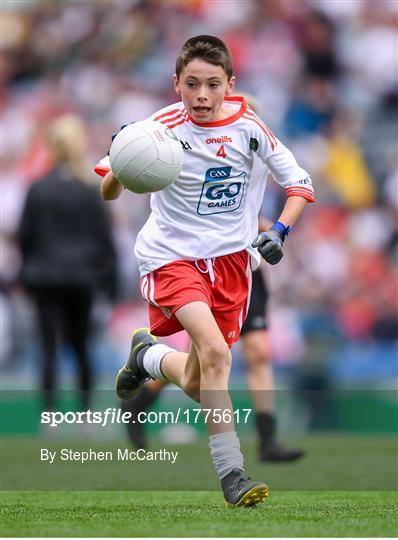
(219,140)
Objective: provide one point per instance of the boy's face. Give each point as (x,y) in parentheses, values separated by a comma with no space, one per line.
(202,87)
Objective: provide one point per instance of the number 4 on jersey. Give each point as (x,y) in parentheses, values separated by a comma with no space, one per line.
(221,152)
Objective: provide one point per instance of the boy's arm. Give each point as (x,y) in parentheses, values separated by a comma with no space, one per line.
(291,212)
(270,242)
(298,188)
(293,208)
(110,187)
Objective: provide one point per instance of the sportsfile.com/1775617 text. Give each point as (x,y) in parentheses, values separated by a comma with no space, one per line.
(113,415)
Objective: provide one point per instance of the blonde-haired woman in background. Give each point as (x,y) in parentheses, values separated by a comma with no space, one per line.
(67,253)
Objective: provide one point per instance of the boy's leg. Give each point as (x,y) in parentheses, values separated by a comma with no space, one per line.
(150,359)
(183,369)
(205,371)
(261,386)
(214,358)
(208,370)
(146,356)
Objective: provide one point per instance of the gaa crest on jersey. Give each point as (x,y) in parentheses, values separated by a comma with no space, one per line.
(221,191)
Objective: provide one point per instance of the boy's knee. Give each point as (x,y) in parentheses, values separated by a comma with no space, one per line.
(215,358)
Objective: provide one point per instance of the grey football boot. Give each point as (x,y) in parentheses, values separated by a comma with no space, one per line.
(132,376)
(240,490)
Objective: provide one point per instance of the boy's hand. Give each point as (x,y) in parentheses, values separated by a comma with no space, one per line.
(269,243)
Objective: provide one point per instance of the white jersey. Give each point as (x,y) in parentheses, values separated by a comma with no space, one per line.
(212,209)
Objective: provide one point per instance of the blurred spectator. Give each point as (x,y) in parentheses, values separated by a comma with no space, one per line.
(317,40)
(311,108)
(67,252)
(345,168)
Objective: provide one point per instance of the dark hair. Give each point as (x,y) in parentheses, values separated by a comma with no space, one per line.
(211,49)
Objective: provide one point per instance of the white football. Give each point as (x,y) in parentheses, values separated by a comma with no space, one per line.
(146,156)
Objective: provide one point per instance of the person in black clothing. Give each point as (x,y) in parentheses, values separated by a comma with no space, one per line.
(67,253)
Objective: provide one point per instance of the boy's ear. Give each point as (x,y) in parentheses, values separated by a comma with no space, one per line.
(176,84)
(231,85)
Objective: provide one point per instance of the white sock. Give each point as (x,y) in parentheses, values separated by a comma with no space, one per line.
(152,359)
(225,453)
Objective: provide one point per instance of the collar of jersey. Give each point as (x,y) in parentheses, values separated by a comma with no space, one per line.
(225,121)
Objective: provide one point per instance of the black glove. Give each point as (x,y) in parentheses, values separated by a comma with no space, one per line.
(269,243)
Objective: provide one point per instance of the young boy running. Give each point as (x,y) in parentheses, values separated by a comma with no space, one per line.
(259,371)
(194,252)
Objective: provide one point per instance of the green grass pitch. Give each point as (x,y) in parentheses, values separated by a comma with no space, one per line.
(170,514)
(344,487)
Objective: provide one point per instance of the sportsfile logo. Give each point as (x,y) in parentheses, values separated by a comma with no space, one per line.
(221,191)
(219,140)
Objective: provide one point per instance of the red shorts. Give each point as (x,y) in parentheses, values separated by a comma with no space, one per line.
(224,283)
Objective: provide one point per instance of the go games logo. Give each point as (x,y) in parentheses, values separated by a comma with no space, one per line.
(221,192)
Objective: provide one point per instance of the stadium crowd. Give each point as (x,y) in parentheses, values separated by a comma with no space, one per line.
(325,76)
